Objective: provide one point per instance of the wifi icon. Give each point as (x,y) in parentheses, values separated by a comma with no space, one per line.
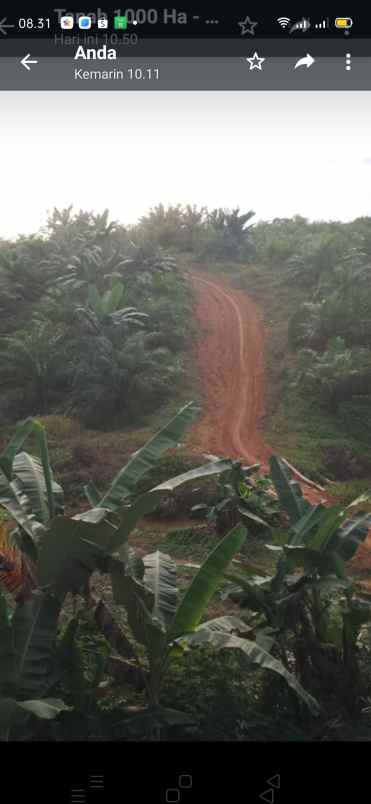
(283,21)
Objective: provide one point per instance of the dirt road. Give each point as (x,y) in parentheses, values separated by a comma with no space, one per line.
(229,364)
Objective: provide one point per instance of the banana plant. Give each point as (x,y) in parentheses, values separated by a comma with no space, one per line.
(28,490)
(297,607)
(27,670)
(164,625)
(70,548)
(34,500)
(330,535)
(241,498)
(58,554)
(288,490)
(104,310)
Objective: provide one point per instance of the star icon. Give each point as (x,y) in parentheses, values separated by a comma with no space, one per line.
(247,26)
(255,62)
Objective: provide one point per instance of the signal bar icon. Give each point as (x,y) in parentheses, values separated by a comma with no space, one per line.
(323,24)
(302,25)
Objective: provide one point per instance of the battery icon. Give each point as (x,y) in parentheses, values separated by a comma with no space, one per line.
(343,22)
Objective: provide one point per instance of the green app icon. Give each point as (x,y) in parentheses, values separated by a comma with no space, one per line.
(120,23)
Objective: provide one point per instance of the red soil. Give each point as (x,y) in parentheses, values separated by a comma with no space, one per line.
(229,361)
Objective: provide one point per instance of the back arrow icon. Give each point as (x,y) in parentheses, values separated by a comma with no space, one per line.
(275,781)
(307,61)
(268,796)
(3,26)
(26,61)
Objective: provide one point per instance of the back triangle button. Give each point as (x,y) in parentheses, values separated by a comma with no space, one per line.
(275,781)
(268,796)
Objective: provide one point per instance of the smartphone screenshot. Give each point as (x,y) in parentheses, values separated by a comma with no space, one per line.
(185,373)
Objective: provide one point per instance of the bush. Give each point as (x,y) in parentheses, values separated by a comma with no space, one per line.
(342,463)
(61,427)
(182,499)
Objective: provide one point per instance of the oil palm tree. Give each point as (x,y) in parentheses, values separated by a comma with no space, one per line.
(34,360)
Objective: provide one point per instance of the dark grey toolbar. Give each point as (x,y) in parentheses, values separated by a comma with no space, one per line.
(254,73)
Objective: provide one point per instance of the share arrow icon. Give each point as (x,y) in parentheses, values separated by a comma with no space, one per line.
(307,61)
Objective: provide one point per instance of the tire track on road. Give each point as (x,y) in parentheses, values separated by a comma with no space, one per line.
(230,365)
(229,361)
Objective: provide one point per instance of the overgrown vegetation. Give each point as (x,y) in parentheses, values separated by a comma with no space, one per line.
(48,556)
(92,324)
(110,631)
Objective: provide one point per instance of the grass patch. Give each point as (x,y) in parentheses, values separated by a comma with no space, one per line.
(298,428)
(189,543)
(347,491)
(303,432)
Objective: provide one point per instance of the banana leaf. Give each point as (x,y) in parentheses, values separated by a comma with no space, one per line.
(228,624)
(47,709)
(34,628)
(42,477)
(138,601)
(7,656)
(249,593)
(71,550)
(311,560)
(125,482)
(16,713)
(160,577)
(155,717)
(351,535)
(92,494)
(13,500)
(7,456)
(253,654)
(323,537)
(216,467)
(305,525)
(31,482)
(288,490)
(131,515)
(205,583)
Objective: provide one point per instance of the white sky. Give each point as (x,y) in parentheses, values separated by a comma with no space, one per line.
(277,153)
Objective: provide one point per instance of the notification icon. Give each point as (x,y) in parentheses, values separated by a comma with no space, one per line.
(67,23)
(85,23)
(120,23)
(102,22)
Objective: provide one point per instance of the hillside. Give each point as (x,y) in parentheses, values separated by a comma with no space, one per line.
(138,524)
